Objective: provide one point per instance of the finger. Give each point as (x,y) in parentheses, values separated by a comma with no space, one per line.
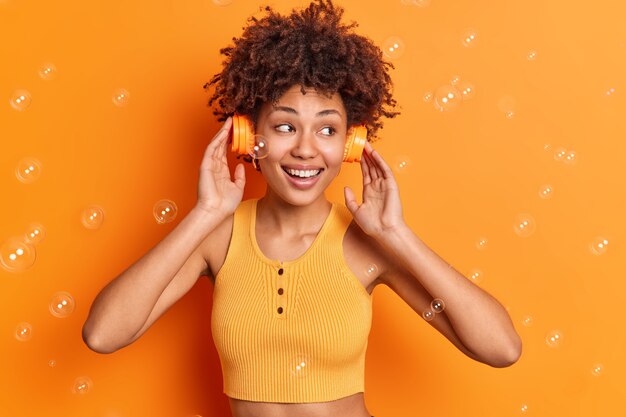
(371,167)
(365,170)
(240,176)
(210,151)
(350,199)
(225,127)
(228,127)
(222,133)
(377,170)
(382,165)
(369,148)
(220,149)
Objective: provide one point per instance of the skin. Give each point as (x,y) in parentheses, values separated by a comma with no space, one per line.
(306,139)
(287,217)
(288,214)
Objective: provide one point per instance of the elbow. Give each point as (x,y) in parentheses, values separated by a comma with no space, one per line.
(513,353)
(97,347)
(93,344)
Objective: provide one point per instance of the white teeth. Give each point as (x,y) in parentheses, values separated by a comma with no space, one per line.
(303,174)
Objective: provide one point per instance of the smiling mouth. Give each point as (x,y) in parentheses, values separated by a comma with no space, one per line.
(303,178)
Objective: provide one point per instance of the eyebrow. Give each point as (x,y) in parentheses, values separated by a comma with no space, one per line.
(290,110)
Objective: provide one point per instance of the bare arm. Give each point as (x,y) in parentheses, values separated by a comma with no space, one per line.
(124,305)
(479,321)
(129,304)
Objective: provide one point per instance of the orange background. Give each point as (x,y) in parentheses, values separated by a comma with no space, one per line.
(469,172)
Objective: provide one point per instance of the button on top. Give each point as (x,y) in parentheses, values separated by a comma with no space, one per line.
(280,291)
(280,310)
(280,271)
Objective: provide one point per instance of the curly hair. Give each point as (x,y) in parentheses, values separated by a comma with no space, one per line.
(310,48)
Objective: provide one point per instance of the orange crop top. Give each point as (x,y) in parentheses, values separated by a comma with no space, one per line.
(290,331)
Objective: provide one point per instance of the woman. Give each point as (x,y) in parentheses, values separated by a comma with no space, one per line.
(294,273)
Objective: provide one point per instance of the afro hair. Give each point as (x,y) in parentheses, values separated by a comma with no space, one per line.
(310,48)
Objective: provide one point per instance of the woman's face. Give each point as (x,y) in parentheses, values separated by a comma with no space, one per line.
(308,130)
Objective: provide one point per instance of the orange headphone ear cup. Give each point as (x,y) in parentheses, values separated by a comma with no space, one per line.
(355,143)
(242,135)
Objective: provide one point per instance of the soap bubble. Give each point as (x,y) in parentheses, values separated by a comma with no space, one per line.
(564,155)
(371,270)
(559,153)
(599,245)
(121,97)
(16,255)
(597,369)
(524,225)
(469,38)
(299,366)
(164,211)
(554,338)
(82,385)
(570,157)
(23,331)
(261,148)
(62,304)
(48,71)
(447,98)
(428,315)
(481,243)
(467,90)
(393,47)
(28,170)
(437,305)
(35,234)
(92,217)
(401,164)
(20,100)
(476,275)
(545,191)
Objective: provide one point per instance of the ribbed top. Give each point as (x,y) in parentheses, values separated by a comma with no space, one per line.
(290,331)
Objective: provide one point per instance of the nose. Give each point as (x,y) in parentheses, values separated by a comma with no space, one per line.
(305,146)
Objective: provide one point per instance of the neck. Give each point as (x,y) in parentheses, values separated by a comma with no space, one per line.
(286,219)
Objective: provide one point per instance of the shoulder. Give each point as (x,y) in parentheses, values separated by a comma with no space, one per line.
(363,250)
(215,245)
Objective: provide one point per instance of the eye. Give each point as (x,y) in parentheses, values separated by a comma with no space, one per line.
(278,127)
(286,128)
(332,130)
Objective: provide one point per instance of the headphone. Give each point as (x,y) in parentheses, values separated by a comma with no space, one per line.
(243,139)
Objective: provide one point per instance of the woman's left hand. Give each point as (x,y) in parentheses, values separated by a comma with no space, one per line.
(381,210)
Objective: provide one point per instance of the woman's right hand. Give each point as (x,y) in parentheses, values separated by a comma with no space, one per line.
(216,192)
